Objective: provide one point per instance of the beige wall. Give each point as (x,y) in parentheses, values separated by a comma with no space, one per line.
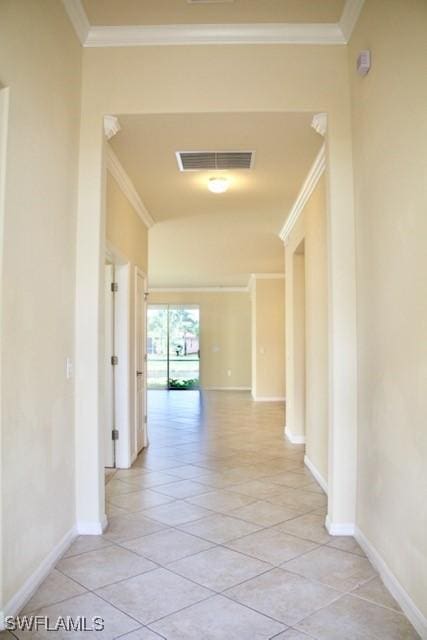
(307,330)
(268,338)
(316,330)
(125,230)
(225,335)
(390,141)
(41,63)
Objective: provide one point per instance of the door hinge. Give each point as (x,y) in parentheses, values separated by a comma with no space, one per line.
(145,419)
(114,287)
(145,358)
(115,434)
(114,360)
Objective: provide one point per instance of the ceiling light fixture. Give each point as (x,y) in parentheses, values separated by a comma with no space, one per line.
(218,185)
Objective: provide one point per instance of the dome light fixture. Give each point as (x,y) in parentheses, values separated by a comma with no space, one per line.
(218,185)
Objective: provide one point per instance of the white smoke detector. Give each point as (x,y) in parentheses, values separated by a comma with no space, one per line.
(364,62)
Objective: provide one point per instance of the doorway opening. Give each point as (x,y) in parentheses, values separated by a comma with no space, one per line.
(173,347)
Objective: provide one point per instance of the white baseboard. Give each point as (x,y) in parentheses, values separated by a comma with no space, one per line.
(316,473)
(415,616)
(30,586)
(226,389)
(269,399)
(95,528)
(340,528)
(293,438)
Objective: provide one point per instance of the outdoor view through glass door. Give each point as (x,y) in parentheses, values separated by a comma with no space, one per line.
(173,347)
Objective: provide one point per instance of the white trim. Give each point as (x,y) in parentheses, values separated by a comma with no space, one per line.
(138,272)
(122,388)
(307,189)
(95,528)
(126,185)
(78,18)
(319,123)
(111,126)
(209,34)
(350,16)
(340,528)
(415,616)
(225,389)
(22,596)
(198,290)
(268,398)
(294,438)
(316,473)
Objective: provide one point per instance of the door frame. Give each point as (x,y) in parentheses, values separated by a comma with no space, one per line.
(122,390)
(138,272)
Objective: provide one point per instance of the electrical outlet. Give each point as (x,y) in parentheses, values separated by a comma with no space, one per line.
(229,373)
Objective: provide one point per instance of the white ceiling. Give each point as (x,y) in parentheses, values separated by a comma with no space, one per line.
(202,239)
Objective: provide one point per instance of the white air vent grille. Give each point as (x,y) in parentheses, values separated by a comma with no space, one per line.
(206,160)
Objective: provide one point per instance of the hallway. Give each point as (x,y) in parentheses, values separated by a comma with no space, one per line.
(216,533)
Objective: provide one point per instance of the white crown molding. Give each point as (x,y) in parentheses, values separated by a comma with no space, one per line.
(111,126)
(208,34)
(78,18)
(320,123)
(415,616)
(316,473)
(274,33)
(198,290)
(294,439)
(350,16)
(116,169)
(307,189)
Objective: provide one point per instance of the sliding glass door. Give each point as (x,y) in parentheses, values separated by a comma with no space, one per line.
(173,347)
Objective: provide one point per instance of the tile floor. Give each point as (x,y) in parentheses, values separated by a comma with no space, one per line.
(216,533)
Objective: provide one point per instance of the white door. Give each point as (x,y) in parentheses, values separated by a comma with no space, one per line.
(109,395)
(140,333)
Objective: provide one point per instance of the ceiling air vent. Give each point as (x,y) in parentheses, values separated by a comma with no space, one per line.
(208,160)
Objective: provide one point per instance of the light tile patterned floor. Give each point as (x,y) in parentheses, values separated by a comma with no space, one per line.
(216,533)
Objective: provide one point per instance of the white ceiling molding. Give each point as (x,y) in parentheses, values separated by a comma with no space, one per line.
(198,290)
(78,18)
(133,36)
(116,169)
(350,16)
(263,276)
(257,33)
(320,123)
(111,126)
(307,189)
